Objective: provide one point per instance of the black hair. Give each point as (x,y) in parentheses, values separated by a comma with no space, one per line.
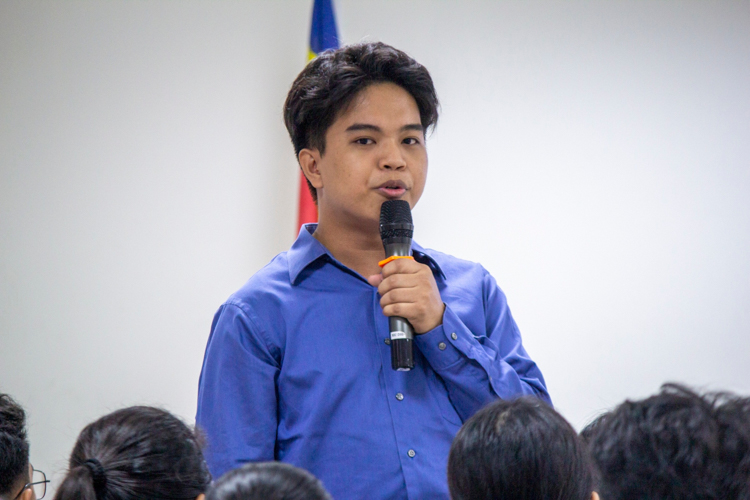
(136,452)
(676,444)
(331,81)
(520,449)
(14,446)
(268,481)
(734,420)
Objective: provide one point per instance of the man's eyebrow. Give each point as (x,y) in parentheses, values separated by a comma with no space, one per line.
(366,126)
(363,126)
(413,126)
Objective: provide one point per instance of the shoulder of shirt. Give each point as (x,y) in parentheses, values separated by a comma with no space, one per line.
(272,280)
(453,267)
(462,274)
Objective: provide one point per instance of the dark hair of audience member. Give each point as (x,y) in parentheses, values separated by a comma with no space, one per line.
(136,452)
(268,481)
(331,81)
(734,419)
(676,444)
(14,446)
(520,449)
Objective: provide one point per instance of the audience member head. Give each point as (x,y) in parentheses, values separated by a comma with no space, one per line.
(734,419)
(674,445)
(133,453)
(268,481)
(14,450)
(521,450)
(331,81)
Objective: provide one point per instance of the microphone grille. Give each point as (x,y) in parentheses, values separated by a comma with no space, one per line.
(395,212)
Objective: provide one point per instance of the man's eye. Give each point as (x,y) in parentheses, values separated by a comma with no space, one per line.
(364,141)
(411,141)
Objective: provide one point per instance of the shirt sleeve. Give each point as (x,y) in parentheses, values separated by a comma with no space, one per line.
(478,367)
(237,392)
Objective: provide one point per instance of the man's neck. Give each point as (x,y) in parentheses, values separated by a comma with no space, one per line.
(357,249)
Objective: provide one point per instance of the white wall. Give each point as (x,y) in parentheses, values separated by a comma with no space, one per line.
(594,156)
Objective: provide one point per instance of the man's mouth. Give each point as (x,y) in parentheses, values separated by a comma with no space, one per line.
(392,189)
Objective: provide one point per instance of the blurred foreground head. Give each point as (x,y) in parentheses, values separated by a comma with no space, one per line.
(134,453)
(674,445)
(14,448)
(521,450)
(268,481)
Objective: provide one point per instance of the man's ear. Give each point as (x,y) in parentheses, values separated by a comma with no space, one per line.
(28,494)
(309,160)
(594,495)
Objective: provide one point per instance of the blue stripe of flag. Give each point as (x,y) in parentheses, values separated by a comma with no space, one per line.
(323,34)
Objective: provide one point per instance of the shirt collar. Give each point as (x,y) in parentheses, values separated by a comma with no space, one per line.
(421,256)
(306,250)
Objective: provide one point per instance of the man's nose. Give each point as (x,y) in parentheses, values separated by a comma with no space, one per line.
(392,158)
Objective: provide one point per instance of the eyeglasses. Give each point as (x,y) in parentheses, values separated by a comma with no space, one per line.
(38,482)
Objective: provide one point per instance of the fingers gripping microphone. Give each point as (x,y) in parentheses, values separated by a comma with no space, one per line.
(396,231)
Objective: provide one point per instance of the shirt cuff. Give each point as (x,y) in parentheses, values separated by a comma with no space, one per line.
(446,344)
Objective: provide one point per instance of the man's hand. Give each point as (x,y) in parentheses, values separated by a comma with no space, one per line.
(408,289)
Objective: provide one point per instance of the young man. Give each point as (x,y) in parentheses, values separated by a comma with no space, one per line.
(16,473)
(297,367)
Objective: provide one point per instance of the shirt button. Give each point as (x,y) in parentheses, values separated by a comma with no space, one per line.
(454,336)
(411,453)
(388,341)
(441,346)
(399,396)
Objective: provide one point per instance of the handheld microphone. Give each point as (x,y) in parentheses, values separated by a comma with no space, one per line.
(396,231)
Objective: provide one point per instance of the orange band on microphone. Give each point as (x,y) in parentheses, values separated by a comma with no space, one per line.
(394,257)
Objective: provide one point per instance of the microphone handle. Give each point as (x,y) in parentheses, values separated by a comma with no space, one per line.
(402,347)
(402,333)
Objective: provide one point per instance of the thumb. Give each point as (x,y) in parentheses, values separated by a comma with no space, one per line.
(375,280)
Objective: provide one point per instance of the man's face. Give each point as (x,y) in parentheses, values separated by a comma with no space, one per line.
(374,151)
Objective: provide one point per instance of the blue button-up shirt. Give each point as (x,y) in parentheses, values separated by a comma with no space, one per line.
(297,369)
